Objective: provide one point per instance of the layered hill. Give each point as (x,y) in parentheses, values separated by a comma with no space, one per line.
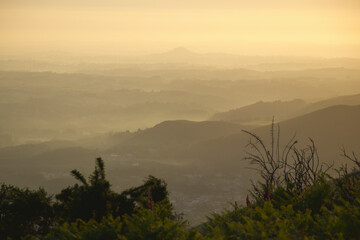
(263,112)
(350,100)
(330,128)
(200,160)
(183,131)
(169,138)
(210,142)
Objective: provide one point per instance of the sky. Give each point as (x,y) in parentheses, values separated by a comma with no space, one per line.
(325,28)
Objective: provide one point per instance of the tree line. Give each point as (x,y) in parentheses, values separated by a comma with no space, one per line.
(34,212)
(296,199)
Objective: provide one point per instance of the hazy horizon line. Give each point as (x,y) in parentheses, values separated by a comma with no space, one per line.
(145,53)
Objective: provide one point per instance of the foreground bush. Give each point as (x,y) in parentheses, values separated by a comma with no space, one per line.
(327,210)
(94,198)
(295,200)
(147,224)
(24,211)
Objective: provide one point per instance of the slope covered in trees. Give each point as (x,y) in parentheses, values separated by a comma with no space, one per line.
(203,174)
(34,212)
(295,199)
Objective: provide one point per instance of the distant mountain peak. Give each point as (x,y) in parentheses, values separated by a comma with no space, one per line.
(180,51)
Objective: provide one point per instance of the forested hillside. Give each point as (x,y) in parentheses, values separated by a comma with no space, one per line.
(201,161)
(296,198)
(207,120)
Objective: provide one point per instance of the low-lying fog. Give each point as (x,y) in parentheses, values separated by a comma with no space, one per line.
(178,115)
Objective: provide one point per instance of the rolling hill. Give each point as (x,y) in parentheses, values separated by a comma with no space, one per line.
(350,100)
(194,157)
(167,139)
(263,112)
(183,131)
(330,128)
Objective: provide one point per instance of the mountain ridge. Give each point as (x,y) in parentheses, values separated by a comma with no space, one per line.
(330,128)
(281,110)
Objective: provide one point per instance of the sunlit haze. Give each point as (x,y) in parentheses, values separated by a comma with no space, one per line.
(248,109)
(109,27)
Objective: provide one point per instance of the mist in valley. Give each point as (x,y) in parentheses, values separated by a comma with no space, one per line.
(174,112)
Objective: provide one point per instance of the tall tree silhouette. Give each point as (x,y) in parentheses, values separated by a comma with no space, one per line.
(94,199)
(91,199)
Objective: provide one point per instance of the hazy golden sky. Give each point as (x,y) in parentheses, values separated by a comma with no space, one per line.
(328,28)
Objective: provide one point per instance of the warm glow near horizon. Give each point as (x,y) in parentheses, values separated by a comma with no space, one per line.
(326,29)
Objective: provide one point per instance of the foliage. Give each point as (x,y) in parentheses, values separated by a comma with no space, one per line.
(297,199)
(24,211)
(94,199)
(153,190)
(291,169)
(323,211)
(108,228)
(91,199)
(143,224)
(153,225)
(287,205)
(328,210)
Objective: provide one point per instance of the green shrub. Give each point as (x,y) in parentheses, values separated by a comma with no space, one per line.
(24,211)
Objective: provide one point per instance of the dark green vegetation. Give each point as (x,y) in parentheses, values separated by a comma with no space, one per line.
(201,161)
(296,199)
(54,122)
(24,212)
